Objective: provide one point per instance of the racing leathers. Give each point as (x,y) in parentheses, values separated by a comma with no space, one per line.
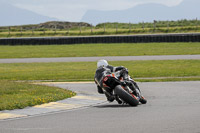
(102,72)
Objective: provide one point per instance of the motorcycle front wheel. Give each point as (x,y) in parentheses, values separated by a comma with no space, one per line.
(125,96)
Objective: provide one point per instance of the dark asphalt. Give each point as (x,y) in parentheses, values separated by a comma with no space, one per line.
(109,58)
(173,107)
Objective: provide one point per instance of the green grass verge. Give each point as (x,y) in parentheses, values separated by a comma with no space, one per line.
(100,31)
(18,95)
(72,29)
(84,71)
(21,94)
(89,50)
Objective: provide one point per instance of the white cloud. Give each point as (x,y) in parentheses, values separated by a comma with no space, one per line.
(73,10)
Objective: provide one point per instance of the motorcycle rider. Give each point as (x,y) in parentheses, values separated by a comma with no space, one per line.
(104,69)
(102,79)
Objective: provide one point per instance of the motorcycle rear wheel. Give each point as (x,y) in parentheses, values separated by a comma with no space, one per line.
(125,96)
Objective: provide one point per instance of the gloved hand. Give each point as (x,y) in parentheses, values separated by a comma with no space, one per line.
(128,82)
(123,83)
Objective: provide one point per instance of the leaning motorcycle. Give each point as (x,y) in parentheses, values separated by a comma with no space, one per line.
(123,88)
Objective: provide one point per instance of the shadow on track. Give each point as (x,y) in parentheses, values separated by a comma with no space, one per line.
(113,106)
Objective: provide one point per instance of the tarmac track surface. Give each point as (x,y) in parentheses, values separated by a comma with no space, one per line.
(109,58)
(173,107)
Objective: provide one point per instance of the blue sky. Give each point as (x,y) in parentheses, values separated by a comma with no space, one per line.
(73,10)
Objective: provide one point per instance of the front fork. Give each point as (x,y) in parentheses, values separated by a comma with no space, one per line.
(136,91)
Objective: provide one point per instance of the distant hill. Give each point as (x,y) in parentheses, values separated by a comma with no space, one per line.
(49,25)
(11,15)
(188,9)
(62,25)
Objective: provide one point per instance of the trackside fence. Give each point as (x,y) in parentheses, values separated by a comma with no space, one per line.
(102,39)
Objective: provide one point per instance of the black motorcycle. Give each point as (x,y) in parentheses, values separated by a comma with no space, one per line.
(123,88)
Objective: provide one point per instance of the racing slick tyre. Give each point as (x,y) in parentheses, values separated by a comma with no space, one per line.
(125,96)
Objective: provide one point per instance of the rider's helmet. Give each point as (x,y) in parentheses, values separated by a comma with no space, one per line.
(102,63)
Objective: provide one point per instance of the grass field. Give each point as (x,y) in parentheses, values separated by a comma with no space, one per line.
(84,71)
(17,95)
(97,31)
(22,94)
(89,50)
(67,29)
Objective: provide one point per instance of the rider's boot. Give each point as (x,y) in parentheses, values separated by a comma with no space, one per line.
(118,100)
(110,97)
